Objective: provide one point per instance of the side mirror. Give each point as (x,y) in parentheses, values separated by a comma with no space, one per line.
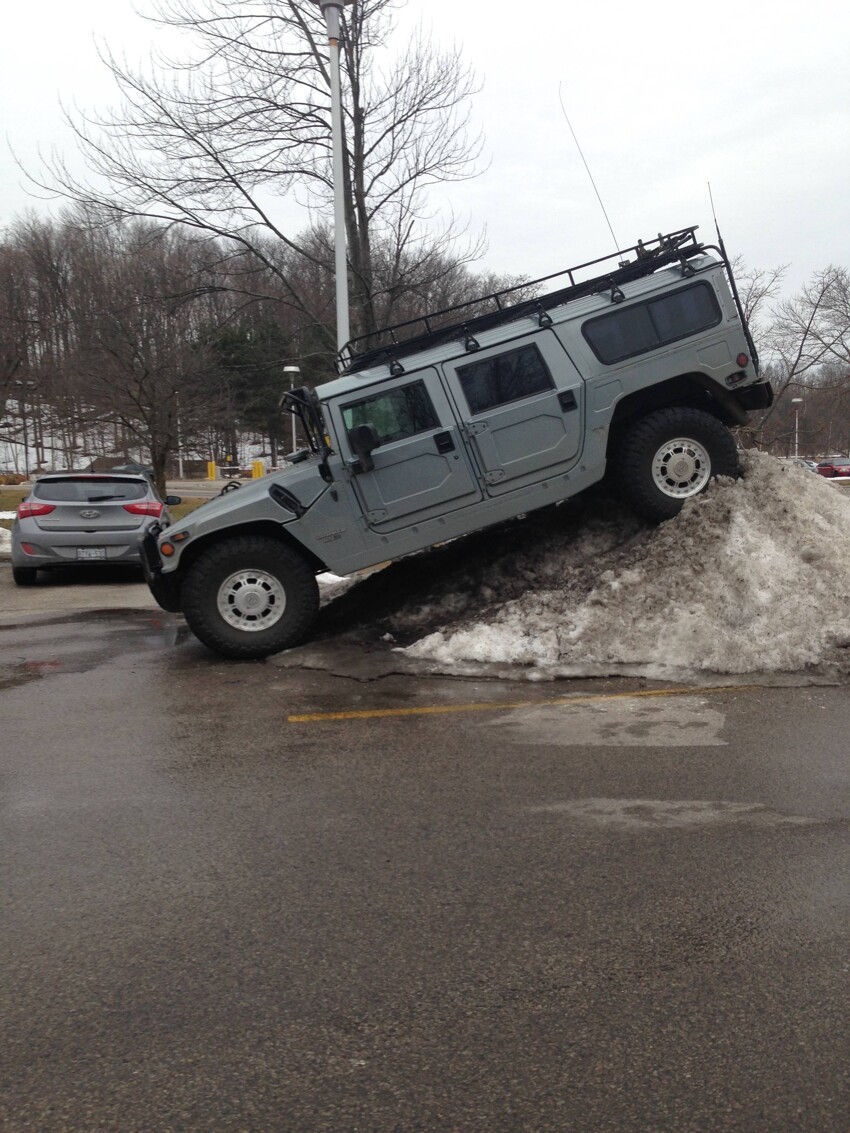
(173,501)
(363,439)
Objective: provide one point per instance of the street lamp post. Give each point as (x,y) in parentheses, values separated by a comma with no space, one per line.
(292,371)
(22,410)
(796,402)
(332,11)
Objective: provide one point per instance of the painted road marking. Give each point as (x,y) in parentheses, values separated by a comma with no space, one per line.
(560,702)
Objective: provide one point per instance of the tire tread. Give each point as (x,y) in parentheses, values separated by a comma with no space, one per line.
(204,576)
(642,441)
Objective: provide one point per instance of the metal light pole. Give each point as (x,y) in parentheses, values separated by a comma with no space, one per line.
(292,371)
(22,410)
(332,11)
(796,402)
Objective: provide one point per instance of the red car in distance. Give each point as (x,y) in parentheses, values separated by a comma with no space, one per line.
(834,466)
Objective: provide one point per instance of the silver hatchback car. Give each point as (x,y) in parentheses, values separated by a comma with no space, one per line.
(84,518)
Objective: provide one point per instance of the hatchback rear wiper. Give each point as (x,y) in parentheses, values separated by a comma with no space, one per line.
(102,499)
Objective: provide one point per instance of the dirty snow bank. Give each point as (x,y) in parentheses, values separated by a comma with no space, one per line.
(5,541)
(753,576)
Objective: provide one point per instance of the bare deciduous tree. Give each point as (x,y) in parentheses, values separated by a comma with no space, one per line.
(806,331)
(210,141)
(756,287)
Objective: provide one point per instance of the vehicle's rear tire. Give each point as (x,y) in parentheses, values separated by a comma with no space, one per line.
(670,456)
(250,596)
(24,576)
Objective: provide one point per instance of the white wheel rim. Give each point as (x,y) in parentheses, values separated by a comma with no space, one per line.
(681,468)
(251,600)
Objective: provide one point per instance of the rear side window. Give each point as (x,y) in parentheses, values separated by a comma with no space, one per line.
(89,491)
(646,326)
(504,378)
(396,414)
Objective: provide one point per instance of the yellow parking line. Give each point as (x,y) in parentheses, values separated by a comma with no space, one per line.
(560,702)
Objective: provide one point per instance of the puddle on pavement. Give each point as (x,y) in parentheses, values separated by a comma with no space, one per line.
(82,642)
(681,723)
(682,814)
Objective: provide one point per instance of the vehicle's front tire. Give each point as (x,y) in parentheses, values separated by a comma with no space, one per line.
(24,576)
(671,455)
(250,596)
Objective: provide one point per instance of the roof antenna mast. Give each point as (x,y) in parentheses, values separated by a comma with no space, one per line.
(587,167)
(732,282)
(714,217)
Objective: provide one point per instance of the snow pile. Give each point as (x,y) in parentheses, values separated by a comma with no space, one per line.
(5,541)
(332,585)
(752,576)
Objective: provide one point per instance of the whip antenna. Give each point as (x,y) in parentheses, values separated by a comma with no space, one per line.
(587,167)
(717,230)
(713,213)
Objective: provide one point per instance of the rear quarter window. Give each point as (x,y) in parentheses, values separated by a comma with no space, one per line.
(641,327)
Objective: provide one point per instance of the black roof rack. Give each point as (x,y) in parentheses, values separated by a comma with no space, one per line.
(390,344)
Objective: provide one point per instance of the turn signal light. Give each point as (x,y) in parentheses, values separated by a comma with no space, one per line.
(147,507)
(166,549)
(28,510)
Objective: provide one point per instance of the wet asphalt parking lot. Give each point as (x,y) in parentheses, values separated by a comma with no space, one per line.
(249,897)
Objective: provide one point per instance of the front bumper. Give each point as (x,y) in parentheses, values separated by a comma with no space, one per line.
(164,587)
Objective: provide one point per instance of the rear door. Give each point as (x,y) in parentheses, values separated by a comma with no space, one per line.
(421,468)
(522,405)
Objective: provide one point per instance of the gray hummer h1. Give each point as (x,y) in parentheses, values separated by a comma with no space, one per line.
(471,416)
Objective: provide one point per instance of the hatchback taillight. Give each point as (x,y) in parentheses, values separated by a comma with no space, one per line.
(148,507)
(27,509)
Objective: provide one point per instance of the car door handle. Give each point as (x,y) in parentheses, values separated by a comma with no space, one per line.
(444,442)
(567,400)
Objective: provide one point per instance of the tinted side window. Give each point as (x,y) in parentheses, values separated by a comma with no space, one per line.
(506,377)
(396,413)
(645,326)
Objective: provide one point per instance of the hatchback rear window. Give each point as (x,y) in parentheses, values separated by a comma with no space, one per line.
(89,491)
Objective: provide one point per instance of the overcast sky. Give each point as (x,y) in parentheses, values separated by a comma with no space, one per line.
(664,98)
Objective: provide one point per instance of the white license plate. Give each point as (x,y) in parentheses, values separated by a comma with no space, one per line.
(91,552)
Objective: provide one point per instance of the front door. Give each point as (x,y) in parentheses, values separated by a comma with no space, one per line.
(421,468)
(522,404)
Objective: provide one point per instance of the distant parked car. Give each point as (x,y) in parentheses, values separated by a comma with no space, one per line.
(834,466)
(82,518)
(799,462)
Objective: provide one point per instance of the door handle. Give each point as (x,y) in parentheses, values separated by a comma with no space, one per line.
(444,442)
(567,400)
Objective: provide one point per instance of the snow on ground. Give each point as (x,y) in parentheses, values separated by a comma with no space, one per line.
(753,576)
(5,541)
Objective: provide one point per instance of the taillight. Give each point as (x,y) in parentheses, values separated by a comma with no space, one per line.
(27,510)
(146,508)
(742,360)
